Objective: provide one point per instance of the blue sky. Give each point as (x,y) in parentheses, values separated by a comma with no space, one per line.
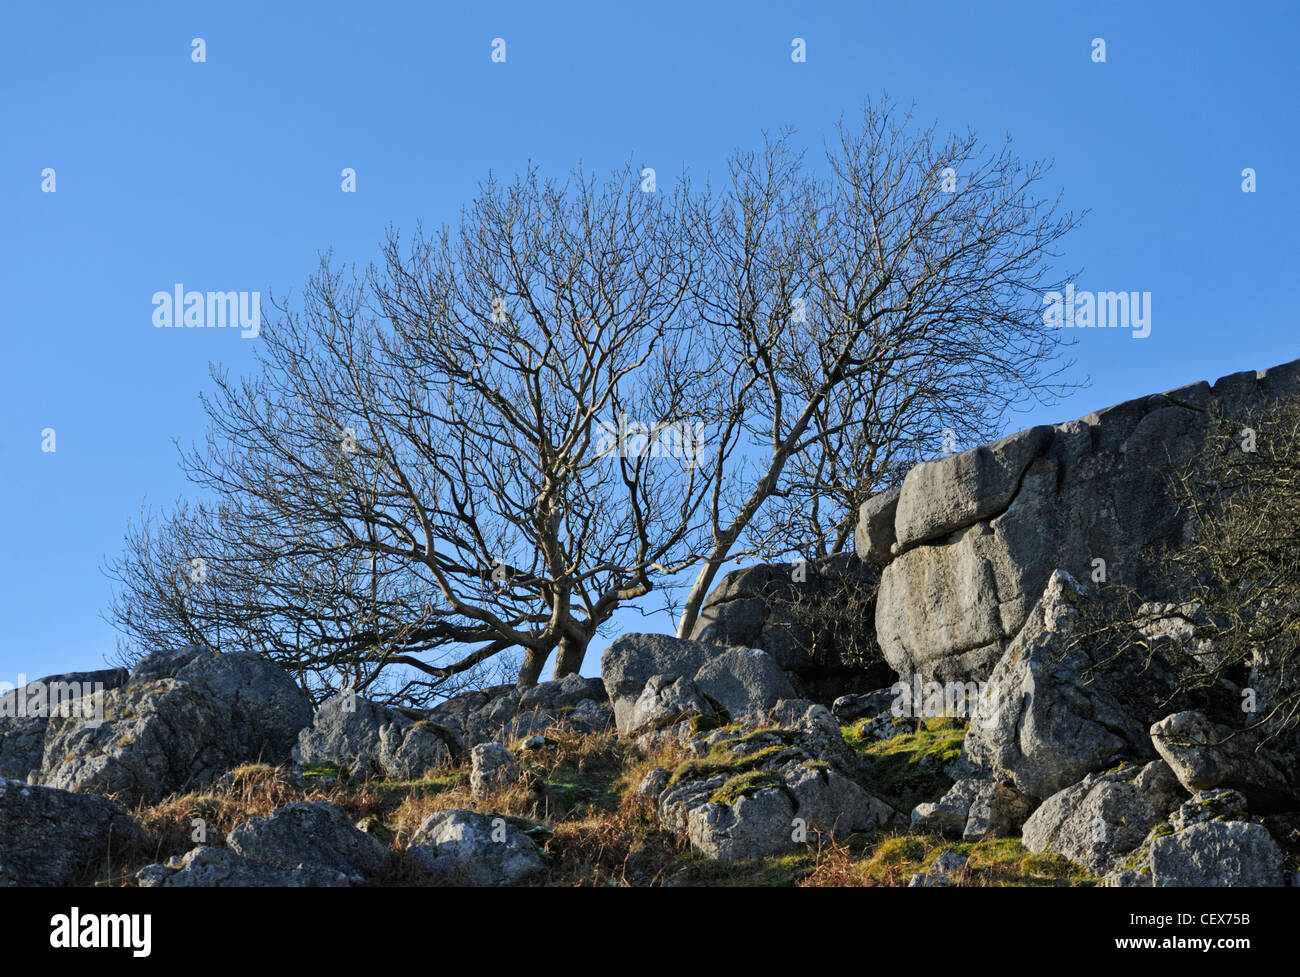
(226,175)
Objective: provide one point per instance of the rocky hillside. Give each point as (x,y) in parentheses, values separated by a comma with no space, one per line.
(928,712)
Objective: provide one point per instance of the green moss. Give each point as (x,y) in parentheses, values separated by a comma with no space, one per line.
(722,759)
(907,769)
(750,782)
(250,770)
(320,770)
(703,724)
(993,861)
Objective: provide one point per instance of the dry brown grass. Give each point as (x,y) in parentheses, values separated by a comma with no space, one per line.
(257,791)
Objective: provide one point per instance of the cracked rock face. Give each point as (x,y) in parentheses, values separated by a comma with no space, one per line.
(1051,714)
(979,533)
(155,738)
(1217,853)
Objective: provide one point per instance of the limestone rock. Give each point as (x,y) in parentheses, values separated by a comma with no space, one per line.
(1103,817)
(53,837)
(874,536)
(1205,754)
(365,739)
(207,867)
(492,767)
(458,847)
(980,533)
(25,712)
(972,810)
(1217,853)
(155,738)
(316,835)
(1050,716)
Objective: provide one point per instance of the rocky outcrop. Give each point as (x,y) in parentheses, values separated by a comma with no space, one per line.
(814,618)
(184,717)
(155,738)
(25,712)
(458,847)
(667,688)
(364,739)
(1058,709)
(53,837)
(978,534)
(507,713)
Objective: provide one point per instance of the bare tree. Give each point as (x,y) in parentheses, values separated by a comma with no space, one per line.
(877,313)
(482,444)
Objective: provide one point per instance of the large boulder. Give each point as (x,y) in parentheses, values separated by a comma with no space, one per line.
(53,837)
(458,847)
(657,683)
(184,716)
(314,835)
(1217,853)
(25,712)
(1205,754)
(207,867)
(364,739)
(265,707)
(1105,816)
(154,738)
(744,681)
(1051,714)
(978,534)
(631,659)
(815,618)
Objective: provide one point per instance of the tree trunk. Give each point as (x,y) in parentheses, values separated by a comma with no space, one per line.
(531,669)
(569,660)
(695,599)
